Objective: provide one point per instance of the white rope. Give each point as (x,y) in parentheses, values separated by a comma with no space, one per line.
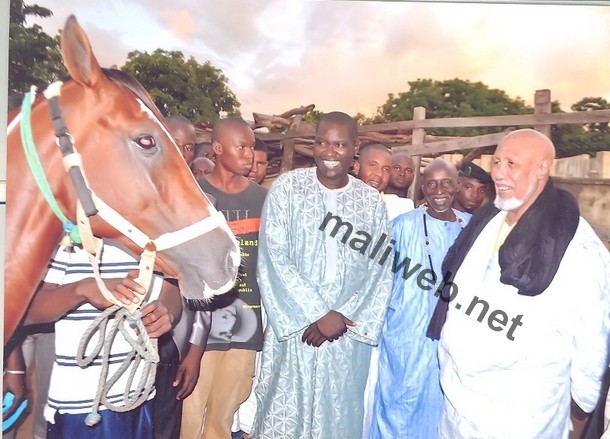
(143,348)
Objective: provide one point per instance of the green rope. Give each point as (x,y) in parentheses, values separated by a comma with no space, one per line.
(27,139)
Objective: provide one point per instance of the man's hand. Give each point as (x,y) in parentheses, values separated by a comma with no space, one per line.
(579,421)
(16,385)
(330,327)
(333,325)
(312,336)
(156,319)
(123,289)
(188,372)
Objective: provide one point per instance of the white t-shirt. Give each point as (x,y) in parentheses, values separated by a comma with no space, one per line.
(397,205)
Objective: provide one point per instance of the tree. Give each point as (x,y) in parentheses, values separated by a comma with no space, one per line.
(313,117)
(591,104)
(199,92)
(34,56)
(576,139)
(450,98)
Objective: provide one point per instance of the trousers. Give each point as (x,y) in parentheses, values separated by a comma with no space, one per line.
(134,424)
(225,382)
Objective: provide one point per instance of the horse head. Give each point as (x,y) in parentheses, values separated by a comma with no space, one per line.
(130,162)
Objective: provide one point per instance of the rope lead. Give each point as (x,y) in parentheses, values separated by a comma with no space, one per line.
(143,349)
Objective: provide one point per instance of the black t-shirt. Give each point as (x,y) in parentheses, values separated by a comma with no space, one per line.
(236,315)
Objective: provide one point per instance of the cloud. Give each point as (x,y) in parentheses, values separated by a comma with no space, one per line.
(350,55)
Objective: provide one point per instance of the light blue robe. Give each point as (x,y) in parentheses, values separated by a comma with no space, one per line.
(408,398)
(303,273)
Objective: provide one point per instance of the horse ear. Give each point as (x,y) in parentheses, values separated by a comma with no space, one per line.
(78,55)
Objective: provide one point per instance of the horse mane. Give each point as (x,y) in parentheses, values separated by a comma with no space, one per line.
(115,75)
(128,81)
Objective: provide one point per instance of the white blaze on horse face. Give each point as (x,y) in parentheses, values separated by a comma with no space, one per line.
(150,114)
(234,255)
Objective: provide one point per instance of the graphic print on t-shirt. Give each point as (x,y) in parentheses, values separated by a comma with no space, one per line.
(236,319)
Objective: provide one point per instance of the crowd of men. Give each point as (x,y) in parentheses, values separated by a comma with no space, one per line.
(481,311)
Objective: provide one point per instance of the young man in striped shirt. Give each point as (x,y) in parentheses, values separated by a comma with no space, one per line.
(70,297)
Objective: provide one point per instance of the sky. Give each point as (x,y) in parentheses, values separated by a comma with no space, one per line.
(349,55)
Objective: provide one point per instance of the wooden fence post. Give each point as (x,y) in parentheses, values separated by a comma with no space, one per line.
(288,145)
(419,134)
(542,105)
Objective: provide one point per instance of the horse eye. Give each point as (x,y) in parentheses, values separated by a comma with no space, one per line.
(146,142)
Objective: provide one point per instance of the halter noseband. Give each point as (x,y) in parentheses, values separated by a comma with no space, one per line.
(88,204)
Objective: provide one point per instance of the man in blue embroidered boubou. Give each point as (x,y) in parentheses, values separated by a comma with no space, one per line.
(408,397)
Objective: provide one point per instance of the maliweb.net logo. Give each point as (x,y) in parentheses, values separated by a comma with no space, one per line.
(362,241)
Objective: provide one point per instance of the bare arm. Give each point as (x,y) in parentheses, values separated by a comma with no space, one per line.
(159,315)
(188,372)
(579,420)
(14,379)
(52,301)
(170,297)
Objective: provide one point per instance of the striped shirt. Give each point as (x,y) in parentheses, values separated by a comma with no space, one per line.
(72,389)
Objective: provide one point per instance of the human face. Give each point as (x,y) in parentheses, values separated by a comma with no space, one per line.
(439,187)
(471,194)
(259,167)
(515,172)
(374,169)
(234,149)
(401,172)
(333,152)
(202,167)
(184,136)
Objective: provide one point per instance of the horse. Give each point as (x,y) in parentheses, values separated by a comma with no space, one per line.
(130,161)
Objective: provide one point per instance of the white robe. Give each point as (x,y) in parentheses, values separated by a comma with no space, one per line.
(496,387)
(305,269)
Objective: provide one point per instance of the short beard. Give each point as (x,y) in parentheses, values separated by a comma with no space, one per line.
(511,204)
(508,204)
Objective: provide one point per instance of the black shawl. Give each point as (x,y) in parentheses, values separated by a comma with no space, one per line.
(531,253)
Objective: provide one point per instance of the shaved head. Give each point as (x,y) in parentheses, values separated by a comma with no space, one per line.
(364,151)
(402,173)
(224,125)
(373,166)
(340,118)
(440,164)
(202,167)
(439,185)
(177,120)
(521,168)
(401,153)
(539,145)
(183,133)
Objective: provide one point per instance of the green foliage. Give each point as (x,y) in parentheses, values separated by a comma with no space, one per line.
(459,98)
(313,117)
(591,104)
(34,56)
(573,139)
(199,92)
(450,98)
